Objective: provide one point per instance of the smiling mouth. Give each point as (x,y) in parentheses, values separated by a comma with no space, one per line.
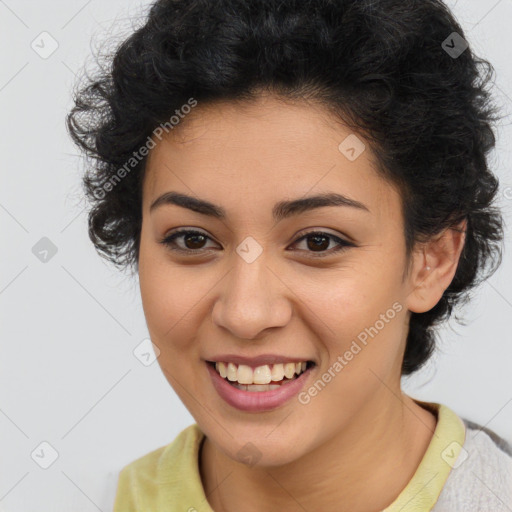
(261,378)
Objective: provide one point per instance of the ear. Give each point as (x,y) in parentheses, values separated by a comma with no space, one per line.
(434,265)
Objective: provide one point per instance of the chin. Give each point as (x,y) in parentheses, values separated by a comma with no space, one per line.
(256,448)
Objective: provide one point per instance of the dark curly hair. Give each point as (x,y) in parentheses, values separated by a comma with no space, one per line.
(384,67)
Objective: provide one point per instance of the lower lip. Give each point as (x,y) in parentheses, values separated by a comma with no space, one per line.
(257,401)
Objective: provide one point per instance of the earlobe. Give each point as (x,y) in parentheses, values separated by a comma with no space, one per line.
(434,266)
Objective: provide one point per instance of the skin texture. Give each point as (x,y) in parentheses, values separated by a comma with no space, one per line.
(357,443)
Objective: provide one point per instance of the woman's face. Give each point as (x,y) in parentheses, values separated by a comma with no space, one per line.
(253,289)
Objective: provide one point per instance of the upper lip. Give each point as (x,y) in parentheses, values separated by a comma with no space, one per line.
(256,361)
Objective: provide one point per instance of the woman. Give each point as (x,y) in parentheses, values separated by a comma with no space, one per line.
(302,188)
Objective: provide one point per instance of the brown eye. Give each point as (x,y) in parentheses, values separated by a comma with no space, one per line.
(193,241)
(196,241)
(318,242)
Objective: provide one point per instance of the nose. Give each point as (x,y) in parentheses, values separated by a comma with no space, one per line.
(253,299)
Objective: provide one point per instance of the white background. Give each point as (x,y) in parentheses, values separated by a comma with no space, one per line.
(69,326)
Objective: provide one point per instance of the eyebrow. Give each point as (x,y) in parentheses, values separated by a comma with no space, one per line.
(281,210)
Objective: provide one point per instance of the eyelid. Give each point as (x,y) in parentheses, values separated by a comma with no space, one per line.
(318,230)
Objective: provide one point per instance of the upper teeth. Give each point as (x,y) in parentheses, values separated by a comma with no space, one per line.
(265,374)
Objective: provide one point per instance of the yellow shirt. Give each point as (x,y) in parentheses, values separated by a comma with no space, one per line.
(167,479)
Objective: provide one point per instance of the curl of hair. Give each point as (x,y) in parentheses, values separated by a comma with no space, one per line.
(379,65)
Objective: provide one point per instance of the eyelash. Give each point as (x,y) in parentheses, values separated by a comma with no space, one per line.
(169,242)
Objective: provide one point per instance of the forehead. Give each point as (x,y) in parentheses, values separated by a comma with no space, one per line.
(243,154)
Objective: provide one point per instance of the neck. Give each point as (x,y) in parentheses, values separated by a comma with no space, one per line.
(364,467)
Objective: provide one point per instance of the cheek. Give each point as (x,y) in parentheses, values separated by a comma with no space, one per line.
(357,314)
(361,326)
(169,300)
(350,300)
(169,309)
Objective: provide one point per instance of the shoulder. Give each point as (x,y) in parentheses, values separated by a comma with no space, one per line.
(489,437)
(142,483)
(481,477)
